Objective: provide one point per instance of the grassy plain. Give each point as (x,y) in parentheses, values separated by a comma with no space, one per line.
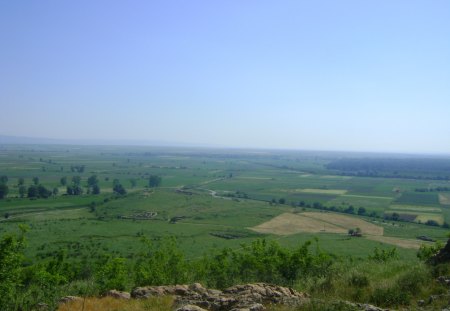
(208,199)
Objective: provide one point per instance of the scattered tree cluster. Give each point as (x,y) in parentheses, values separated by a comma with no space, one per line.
(4,189)
(154,181)
(75,187)
(118,188)
(93,186)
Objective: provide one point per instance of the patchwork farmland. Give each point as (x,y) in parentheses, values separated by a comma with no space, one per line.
(209,198)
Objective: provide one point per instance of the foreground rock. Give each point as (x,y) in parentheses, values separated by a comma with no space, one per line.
(118,294)
(251,297)
(365,307)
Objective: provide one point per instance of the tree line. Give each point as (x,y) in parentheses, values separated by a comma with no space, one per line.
(73,186)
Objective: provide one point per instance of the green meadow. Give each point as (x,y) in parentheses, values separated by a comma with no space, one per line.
(208,199)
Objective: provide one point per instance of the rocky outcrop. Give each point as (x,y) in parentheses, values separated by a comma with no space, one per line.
(251,297)
(365,307)
(248,297)
(118,294)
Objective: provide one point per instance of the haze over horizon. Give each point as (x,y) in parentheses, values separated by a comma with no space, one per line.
(322,75)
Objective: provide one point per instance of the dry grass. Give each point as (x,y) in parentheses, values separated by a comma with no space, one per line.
(315,222)
(346,222)
(423,218)
(404,243)
(164,303)
(444,199)
(288,223)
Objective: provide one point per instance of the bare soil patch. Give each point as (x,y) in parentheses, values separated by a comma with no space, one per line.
(313,222)
(347,222)
(287,224)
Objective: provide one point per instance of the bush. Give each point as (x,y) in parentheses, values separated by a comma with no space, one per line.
(112,274)
(411,282)
(426,252)
(390,296)
(358,280)
(382,255)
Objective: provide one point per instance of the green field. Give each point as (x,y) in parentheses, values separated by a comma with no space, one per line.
(223,194)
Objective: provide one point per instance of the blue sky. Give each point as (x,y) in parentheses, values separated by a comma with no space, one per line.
(321,75)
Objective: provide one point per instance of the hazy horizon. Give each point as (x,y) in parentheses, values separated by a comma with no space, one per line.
(339,76)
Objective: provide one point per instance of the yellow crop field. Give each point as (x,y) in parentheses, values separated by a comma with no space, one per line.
(314,222)
(288,223)
(423,218)
(347,222)
(444,199)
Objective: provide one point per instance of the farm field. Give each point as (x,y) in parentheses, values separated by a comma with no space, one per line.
(209,199)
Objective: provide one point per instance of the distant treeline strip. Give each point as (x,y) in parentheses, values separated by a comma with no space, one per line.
(429,168)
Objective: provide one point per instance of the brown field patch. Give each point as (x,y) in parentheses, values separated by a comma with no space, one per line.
(404,243)
(347,222)
(287,224)
(444,198)
(313,222)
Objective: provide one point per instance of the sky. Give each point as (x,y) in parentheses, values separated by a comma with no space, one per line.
(311,75)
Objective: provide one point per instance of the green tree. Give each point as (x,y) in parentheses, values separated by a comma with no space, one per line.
(154,181)
(36,180)
(112,274)
(3,179)
(427,251)
(361,211)
(96,189)
(133,182)
(3,191)
(92,180)
(21,181)
(160,263)
(76,180)
(33,192)
(43,192)
(22,191)
(11,259)
(74,190)
(119,189)
(63,181)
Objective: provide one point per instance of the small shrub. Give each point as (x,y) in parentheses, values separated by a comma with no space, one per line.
(382,255)
(389,297)
(358,280)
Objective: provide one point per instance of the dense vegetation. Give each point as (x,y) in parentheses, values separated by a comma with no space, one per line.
(380,278)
